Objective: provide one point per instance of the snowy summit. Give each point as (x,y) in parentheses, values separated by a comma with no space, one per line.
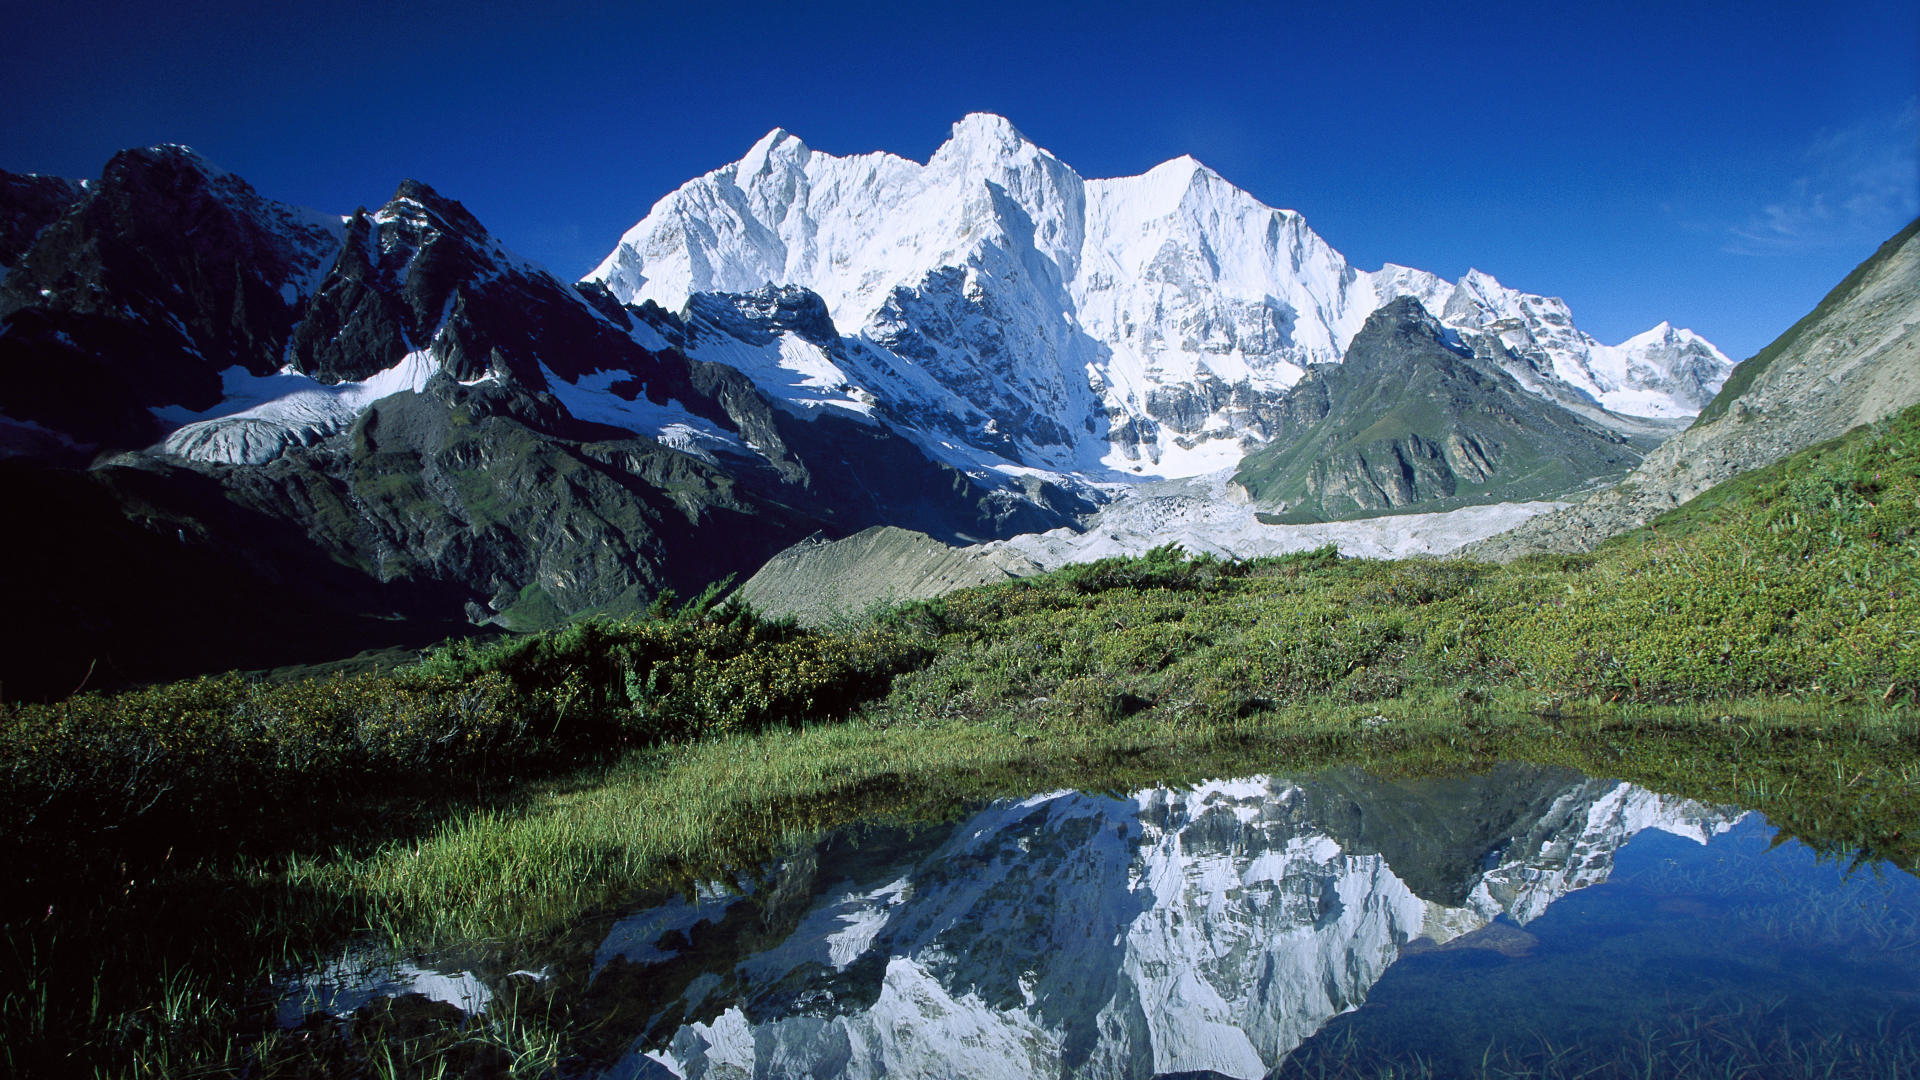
(1005,305)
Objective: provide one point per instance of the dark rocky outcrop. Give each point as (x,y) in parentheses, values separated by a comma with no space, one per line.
(29,203)
(475,497)
(165,272)
(756,317)
(149,570)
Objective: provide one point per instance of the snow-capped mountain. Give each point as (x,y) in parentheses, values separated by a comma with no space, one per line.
(1132,326)
(389,412)
(1170,931)
(1664,372)
(965,347)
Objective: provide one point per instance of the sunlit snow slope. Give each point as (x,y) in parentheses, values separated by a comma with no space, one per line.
(999,304)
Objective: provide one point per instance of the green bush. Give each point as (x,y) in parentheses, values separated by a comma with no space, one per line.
(215,763)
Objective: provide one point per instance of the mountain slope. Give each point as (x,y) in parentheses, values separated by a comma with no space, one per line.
(1409,421)
(1853,360)
(28,204)
(1141,325)
(392,424)
(820,581)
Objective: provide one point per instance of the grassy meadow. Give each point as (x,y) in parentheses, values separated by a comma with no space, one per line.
(167,849)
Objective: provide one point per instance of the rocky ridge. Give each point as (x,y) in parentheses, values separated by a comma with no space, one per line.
(148,284)
(393,397)
(1854,359)
(1412,419)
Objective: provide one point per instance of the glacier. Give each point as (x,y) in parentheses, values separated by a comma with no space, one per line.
(992,301)
(260,417)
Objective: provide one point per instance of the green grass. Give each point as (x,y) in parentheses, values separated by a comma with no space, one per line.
(693,812)
(532,609)
(526,869)
(1801,580)
(165,847)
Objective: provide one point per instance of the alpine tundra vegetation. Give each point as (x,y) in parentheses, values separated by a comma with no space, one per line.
(1755,647)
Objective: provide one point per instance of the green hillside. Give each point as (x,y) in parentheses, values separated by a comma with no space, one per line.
(1409,422)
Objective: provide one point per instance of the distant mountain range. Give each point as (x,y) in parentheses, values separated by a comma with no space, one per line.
(289,434)
(1853,360)
(1009,311)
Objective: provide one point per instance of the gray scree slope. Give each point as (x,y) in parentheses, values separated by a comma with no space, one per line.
(1853,360)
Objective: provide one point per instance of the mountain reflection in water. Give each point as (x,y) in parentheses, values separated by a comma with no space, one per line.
(1237,928)
(1214,928)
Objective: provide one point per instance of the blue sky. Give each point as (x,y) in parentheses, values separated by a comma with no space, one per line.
(1719,165)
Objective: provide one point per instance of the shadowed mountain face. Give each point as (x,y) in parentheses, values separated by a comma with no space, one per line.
(1412,419)
(388,424)
(143,289)
(27,205)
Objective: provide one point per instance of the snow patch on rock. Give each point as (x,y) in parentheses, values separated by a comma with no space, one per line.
(261,417)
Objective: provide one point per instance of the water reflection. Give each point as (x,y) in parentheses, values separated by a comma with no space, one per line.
(1235,928)
(1208,929)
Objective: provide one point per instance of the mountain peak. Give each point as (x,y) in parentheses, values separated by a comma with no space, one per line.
(1665,334)
(1164,185)
(172,151)
(778,145)
(1403,316)
(168,157)
(415,199)
(988,136)
(987,123)
(1662,333)
(1184,168)
(1099,319)
(1481,281)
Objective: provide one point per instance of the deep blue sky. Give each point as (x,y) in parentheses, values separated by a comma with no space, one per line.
(1719,165)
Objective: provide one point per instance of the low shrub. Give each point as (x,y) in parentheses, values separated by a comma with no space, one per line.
(106,782)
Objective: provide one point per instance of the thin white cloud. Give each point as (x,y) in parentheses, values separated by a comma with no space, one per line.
(1861,183)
